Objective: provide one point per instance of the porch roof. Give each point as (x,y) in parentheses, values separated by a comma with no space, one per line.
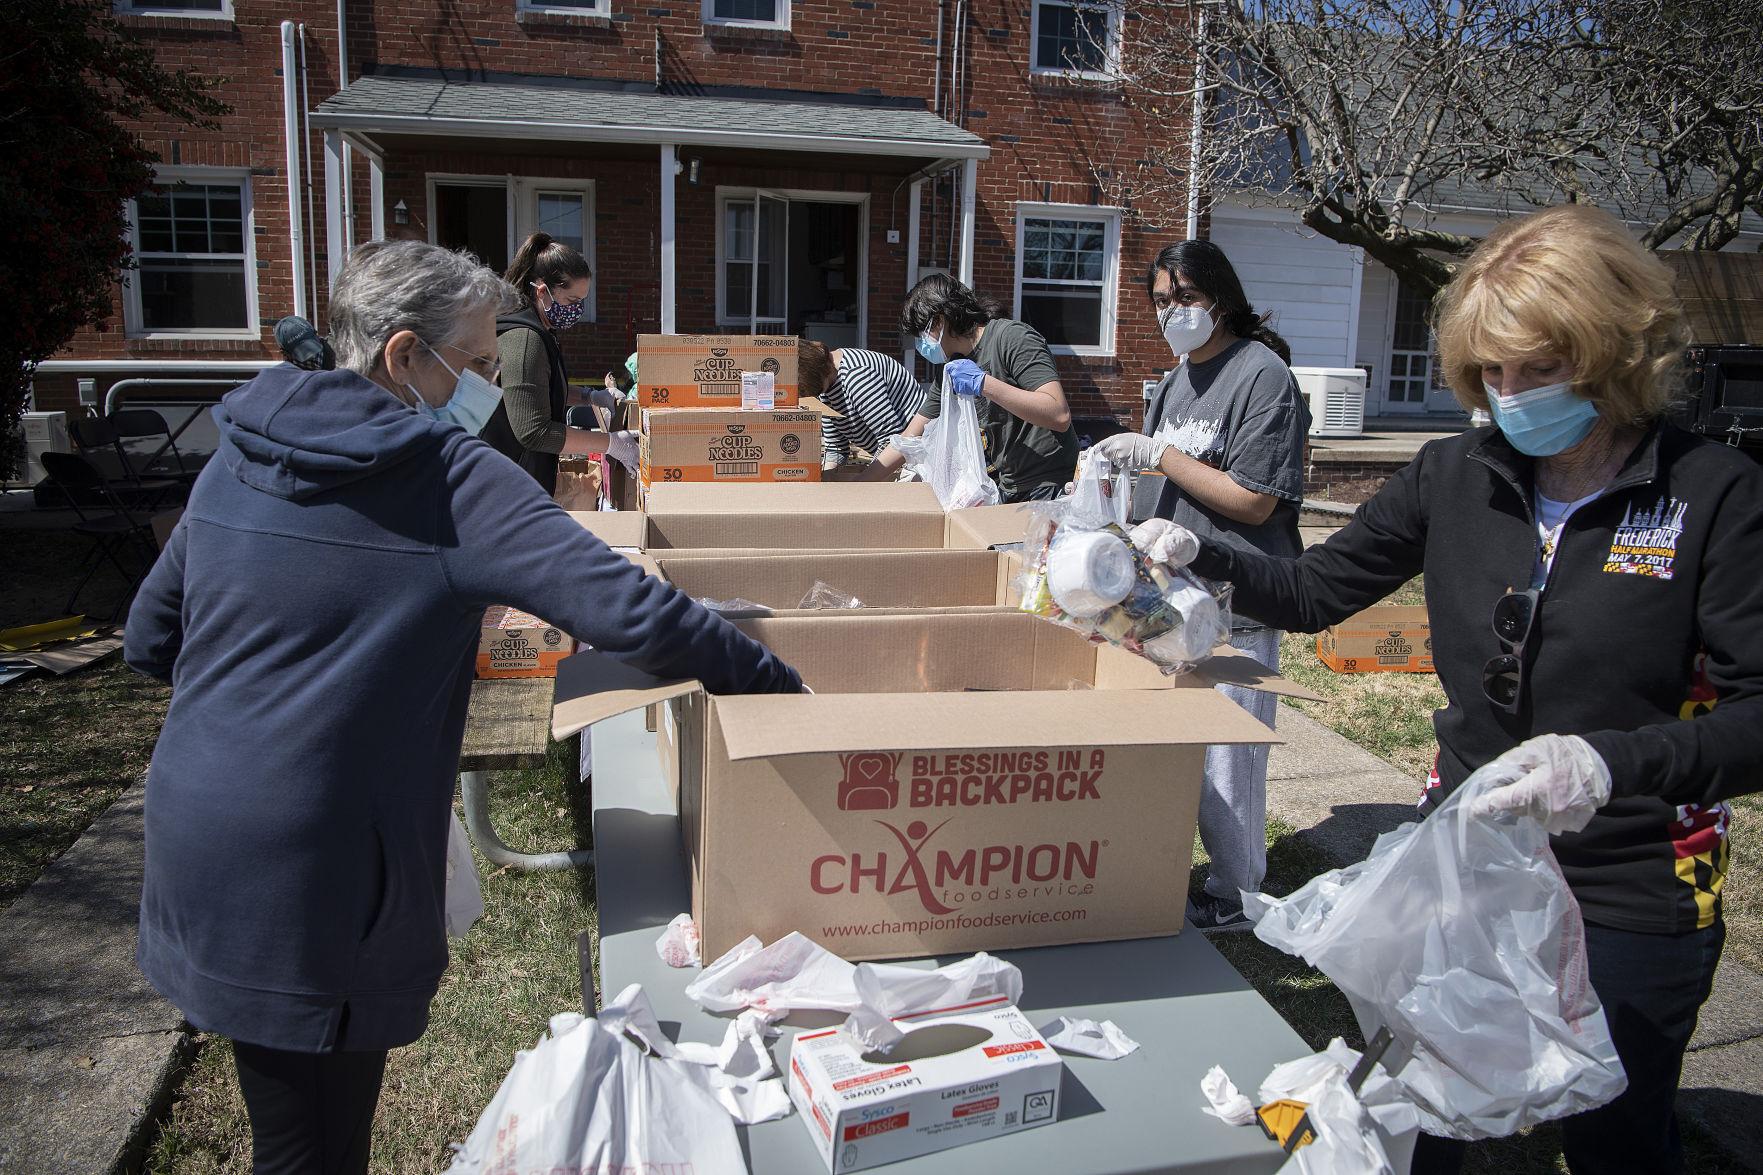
(555,112)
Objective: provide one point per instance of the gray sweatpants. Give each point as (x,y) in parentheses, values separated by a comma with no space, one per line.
(1233,802)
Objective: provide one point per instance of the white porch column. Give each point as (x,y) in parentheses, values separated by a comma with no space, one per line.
(376,193)
(969,181)
(669,164)
(336,236)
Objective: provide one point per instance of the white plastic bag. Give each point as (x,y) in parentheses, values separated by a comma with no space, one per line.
(1369,1133)
(589,1098)
(950,455)
(795,973)
(886,990)
(1460,935)
(464,902)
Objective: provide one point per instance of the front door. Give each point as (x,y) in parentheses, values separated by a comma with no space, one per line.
(791,263)
(1415,384)
(472,214)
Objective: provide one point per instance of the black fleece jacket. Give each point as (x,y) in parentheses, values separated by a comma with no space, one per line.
(1648,641)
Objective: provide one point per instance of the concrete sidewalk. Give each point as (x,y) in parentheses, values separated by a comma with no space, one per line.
(1341,797)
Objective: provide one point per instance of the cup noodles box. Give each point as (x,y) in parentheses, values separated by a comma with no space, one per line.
(958,781)
(725,516)
(514,644)
(729,445)
(959,1076)
(704,371)
(1388,638)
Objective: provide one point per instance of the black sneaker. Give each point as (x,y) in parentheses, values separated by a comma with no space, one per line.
(1211,915)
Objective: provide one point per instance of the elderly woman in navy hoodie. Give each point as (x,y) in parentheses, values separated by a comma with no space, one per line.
(317,613)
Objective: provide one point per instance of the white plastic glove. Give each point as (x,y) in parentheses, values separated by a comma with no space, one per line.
(1162,541)
(622,447)
(603,397)
(1561,781)
(1131,450)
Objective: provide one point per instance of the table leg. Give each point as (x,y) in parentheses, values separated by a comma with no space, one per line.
(474,790)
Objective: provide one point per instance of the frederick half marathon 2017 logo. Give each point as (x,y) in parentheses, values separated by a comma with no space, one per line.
(1646,542)
(943,878)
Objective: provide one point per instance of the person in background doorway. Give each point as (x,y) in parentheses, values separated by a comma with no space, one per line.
(1031,450)
(875,397)
(1226,429)
(531,428)
(317,613)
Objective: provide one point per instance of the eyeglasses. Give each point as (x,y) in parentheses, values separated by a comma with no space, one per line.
(490,369)
(1502,678)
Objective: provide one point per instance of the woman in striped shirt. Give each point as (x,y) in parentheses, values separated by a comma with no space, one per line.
(877,400)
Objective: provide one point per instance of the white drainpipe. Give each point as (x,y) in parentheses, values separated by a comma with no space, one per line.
(291,136)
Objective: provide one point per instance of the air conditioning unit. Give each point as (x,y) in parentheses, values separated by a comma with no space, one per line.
(44,432)
(1337,399)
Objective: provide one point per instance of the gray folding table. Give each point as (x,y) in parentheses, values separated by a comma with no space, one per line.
(1187,1008)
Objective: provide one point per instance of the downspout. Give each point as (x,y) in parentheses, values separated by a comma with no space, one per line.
(348,151)
(936,85)
(291,137)
(306,151)
(1195,117)
(958,116)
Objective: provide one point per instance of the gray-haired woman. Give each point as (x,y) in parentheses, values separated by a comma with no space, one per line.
(317,612)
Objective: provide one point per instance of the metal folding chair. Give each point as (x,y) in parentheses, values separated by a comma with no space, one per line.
(143,423)
(100,443)
(112,529)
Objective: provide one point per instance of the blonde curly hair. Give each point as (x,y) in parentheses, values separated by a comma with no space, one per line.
(1568,281)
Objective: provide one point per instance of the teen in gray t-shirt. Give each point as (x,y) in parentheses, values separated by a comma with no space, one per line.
(1239,411)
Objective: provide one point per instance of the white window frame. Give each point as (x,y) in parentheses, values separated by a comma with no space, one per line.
(1116,21)
(526,192)
(601,9)
(795,195)
(131,300)
(1110,218)
(148,8)
(782,22)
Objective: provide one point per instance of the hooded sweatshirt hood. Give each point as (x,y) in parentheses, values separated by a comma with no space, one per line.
(294,433)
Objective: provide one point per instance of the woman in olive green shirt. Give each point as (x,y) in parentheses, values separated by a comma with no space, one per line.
(529,427)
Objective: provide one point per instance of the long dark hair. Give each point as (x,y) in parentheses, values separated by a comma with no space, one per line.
(544,258)
(1205,265)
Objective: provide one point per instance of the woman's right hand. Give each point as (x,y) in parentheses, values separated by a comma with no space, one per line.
(1162,541)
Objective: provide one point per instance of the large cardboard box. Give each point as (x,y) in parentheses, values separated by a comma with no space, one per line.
(821,516)
(729,445)
(704,371)
(780,580)
(958,781)
(1388,638)
(958,1077)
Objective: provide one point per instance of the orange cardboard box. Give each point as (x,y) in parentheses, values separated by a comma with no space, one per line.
(957,782)
(1387,638)
(704,371)
(729,445)
(514,644)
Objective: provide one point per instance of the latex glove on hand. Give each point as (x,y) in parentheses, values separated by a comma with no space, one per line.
(1561,781)
(966,377)
(1131,450)
(1162,541)
(605,398)
(622,447)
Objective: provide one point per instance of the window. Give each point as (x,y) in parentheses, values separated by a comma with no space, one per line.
(1067,258)
(1074,37)
(1411,347)
(742,254)
(220,9)
(763,14)
(194,268)
(566,7)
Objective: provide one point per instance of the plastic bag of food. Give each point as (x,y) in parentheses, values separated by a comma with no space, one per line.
(950,456)
(1085,572)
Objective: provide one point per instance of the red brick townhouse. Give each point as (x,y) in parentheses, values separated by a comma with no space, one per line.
(787,166)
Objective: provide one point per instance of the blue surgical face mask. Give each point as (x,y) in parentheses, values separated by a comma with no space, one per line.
(931,349)
(473,400)
(1542,421)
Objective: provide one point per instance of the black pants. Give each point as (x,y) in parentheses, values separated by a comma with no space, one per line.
(1651,986)
(311,1113)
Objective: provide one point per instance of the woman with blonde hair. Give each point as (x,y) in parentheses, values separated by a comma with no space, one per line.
(1594,578)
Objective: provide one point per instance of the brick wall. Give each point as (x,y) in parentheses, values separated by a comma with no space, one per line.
(1052,141)
(1319,475)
